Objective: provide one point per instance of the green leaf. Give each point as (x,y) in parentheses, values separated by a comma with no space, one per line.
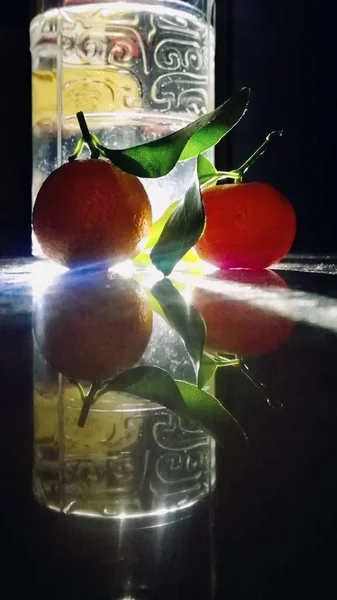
(182,317)
(208,367)
(214,126)
(142,260)
(206,169)
(158,226)
(157,158)
(181,231)
(185,399)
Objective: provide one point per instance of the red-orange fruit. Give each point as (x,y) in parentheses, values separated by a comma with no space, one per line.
(89,211)
(248,225)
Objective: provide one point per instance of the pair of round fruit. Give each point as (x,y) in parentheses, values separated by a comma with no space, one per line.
(92,326)
(89,211)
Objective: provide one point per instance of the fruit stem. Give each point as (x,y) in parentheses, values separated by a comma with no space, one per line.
(87,137)
(261,150)
(220,175)
(88,401)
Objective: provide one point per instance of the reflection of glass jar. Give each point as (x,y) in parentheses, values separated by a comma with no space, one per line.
(100,558)
(128,457)
(174,561)
(132,458)
(138,70)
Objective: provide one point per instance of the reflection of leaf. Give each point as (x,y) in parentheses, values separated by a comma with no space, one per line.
(259,387)
(185,399)
(206,170)
(206,409)
(211,362)
(208,367)
(156,307)
(151,383)
(157,158)
(181,231)
(184,318)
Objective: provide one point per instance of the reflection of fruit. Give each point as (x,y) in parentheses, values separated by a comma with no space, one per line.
(248,225)
(236,326)
(89,210)
(93,326)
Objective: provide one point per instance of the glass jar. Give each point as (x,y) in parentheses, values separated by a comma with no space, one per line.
(138,69)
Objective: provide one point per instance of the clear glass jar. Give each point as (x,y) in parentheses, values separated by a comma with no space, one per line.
(138,70)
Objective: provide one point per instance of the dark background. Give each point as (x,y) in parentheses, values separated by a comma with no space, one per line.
(278,532)
(282,49)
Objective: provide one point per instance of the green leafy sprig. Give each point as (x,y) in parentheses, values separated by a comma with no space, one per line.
(157,158)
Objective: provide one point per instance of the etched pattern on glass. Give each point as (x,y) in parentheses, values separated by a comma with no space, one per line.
(133,458)
(113,60)
(138,71)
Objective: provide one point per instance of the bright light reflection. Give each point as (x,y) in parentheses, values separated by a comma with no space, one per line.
(158,513)
(187,294)
(43,274)
(296,305)
(125,268)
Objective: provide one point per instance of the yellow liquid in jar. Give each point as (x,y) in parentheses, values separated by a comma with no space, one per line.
(87,89)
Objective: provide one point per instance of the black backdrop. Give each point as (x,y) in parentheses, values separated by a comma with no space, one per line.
(280,49)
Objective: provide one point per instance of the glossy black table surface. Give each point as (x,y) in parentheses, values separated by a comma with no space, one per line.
(147,503)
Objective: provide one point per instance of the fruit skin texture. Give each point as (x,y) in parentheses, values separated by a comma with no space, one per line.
(88,211)
(248,225)
(236,326)
(92,326)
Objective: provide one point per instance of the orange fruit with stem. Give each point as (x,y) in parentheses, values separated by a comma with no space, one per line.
(238,326)
(248,225)
(88,211)
(93,326)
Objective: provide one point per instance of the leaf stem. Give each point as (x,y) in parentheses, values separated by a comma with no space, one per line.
(235,362)
(87,137)
(220,175)
(88,401)
(261,150)
(78,150)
